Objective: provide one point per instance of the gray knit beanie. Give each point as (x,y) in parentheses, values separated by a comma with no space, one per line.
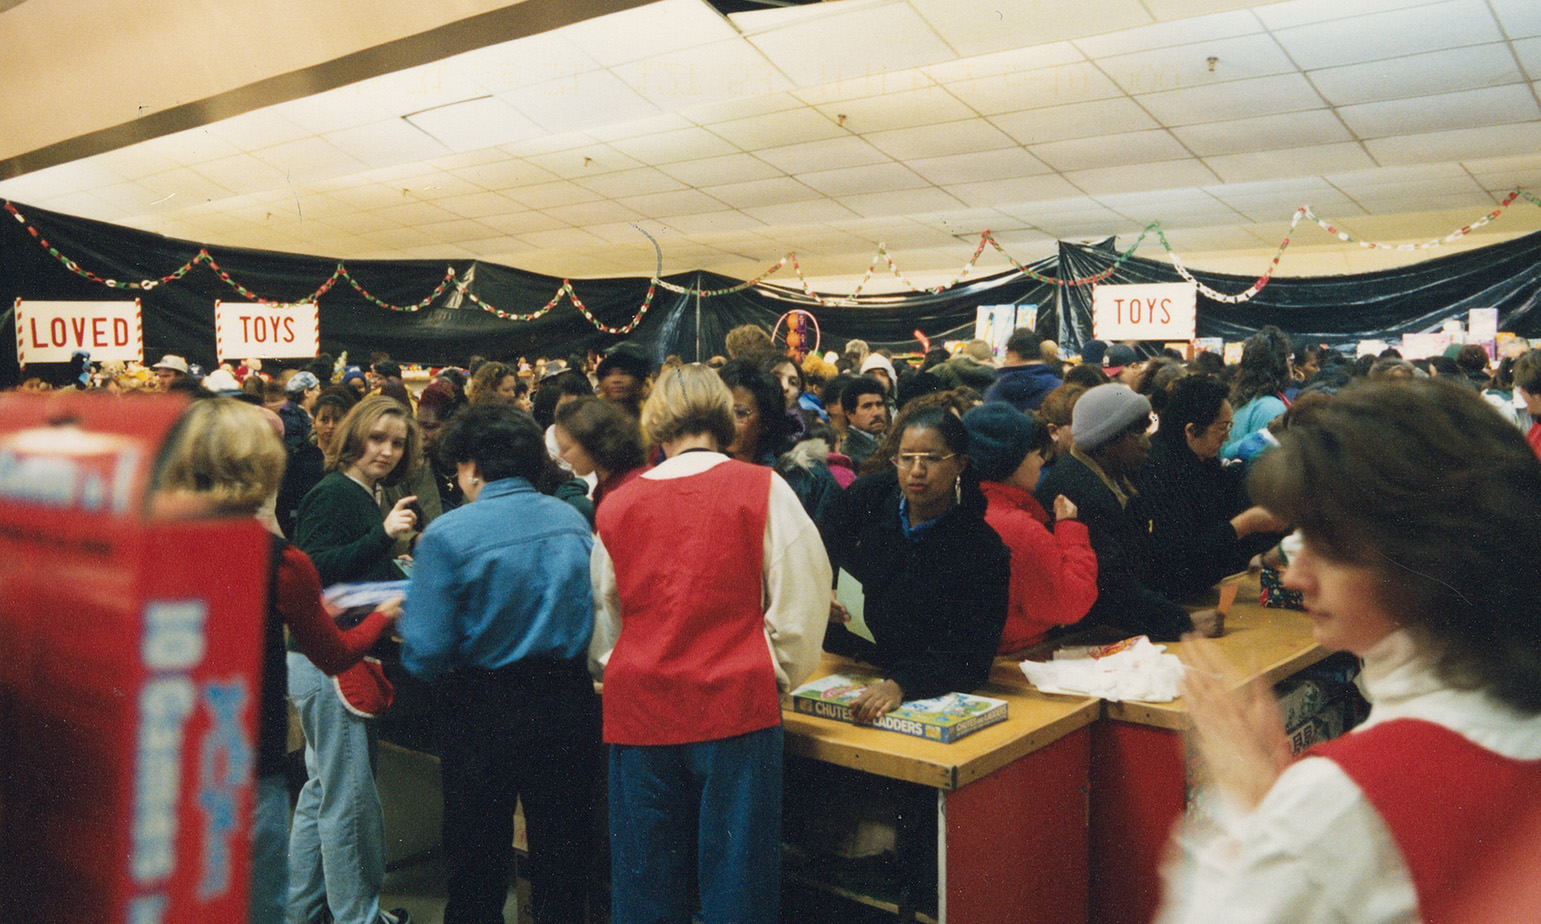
(1104,412)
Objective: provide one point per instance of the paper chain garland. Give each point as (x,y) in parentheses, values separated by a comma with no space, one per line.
(566,289)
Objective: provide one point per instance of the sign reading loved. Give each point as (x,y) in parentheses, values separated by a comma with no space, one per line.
(51,332)
(243,331)
(1157,311)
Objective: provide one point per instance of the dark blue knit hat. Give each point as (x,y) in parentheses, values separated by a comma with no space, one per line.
(1092,352)
(999,438)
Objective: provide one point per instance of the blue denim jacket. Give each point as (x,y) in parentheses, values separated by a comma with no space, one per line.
(498,581)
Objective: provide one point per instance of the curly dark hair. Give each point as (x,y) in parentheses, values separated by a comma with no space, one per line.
(502,440)
(775,425)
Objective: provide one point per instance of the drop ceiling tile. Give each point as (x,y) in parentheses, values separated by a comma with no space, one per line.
(129,163)
(1185,66)
(713,223)
(871,114)
(518,223)
(785,213)
(466,159)
(724,71)
(778,129)
(1164,175)
(957,169)
(638,182)
(85,205)
(257,128)
(335,110)
(637,128)
(690,143)
(193,146)
(1519,163)
(981,26)
(241,174)
(975,134)
(1006,192)
(1167,34)
(622,232)
(1015,91)
(370,197)
(583,214)
(455,230)
(584,160)
(900,202)
(184,186)
(591,98)
(849,181)
(480,205)
(1307,12)
(1077,120)
(845,43)
(881,83)
(504,174)
(1289,162)
(1233,99)
(650,30)
(1492,141)
(1529,53)
(1467,109)
(760,192)
(76,176)
(1285,130)
(1390,34)
(360,223)
(1109,151)
(1478,202)
(559,239)
(437,185)
(681,202)
(1518,17)
(413,213)
(381,144)
(985,67)
(1423,74)
(476,123)
(847,151)
(548,195)
(716,171)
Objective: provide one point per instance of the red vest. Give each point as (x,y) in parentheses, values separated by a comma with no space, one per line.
(691,662)
(1448,803)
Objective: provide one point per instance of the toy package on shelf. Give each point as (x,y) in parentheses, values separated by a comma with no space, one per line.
(943,718)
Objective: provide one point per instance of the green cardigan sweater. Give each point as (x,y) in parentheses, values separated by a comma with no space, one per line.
(342,529)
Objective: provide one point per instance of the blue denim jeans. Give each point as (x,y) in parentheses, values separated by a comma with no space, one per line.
(270,851)
(716,801)
(337,838)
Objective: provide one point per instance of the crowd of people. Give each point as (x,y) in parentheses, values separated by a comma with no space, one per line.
(675,531)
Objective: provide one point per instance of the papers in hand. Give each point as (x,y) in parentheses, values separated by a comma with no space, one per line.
(350,603)
(1132,670)
(849,594)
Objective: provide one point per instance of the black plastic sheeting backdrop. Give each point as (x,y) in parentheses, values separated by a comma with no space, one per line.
(179,315)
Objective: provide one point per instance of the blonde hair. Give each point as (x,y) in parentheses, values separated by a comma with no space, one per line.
(352,432)
(688,400)
(225,450)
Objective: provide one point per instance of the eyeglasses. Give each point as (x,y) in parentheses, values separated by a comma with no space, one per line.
(908,460)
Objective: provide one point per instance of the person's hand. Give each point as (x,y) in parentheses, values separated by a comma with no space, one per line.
(876,701)
(390,609)
(1257,520)
(837,611)
(401,519)
(1064,508)
(1237,731)
(1208,623)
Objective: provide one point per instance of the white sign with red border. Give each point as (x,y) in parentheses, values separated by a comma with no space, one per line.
(1153,311)
(246,331)
(51,332)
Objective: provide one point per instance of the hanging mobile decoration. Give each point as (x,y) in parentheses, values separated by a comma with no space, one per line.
(798,323)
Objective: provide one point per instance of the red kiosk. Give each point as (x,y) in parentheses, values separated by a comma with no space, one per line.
(129,675)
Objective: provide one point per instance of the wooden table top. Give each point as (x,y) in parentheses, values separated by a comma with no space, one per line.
(1263,642)
(1035,720)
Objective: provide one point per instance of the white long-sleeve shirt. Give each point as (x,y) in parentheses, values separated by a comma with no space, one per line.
(1314,850)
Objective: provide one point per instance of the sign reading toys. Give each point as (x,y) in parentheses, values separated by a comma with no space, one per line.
(266,331)
(1157,311)
(52,332)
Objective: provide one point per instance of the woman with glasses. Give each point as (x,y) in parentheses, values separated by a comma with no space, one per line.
(1197,509)
(934,575)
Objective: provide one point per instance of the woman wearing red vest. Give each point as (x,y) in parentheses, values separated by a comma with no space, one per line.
(1420,511)
(711,596)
